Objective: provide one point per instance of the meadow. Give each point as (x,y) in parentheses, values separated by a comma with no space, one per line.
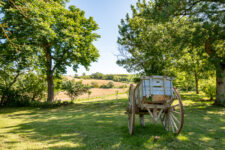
(101,124)
(95,92)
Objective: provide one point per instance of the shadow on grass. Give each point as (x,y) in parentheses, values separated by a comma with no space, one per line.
(103,125)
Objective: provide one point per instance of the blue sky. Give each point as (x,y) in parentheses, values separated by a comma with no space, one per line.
(107,13)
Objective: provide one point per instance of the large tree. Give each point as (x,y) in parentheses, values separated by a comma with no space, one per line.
(209,15)
(141,46)
(173,27)
(60,37)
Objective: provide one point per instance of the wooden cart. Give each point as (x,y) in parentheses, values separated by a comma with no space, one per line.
(156,96)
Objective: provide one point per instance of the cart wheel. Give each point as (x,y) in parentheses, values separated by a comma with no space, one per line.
(131,108)
(173,118)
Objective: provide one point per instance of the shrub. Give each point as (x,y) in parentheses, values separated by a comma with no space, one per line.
(32,86)
(97,75)
(104,86)
(29,87)
(209,88)
(13,97)
(136,79)
(74,89)
(89,94)
(110,85)
(94,85)
(107,86)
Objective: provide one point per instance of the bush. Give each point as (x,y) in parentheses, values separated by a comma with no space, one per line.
(110,85)
(32,86)
(136,79)
(97,75)
(74,89)
(94,85)
(107,86)
(29,87)
(209,88)
(15,99)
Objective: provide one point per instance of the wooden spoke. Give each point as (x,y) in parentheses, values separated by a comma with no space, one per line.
(176,112)
(173,118)
(173,122)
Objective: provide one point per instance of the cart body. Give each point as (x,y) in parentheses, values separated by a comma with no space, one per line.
(156,96)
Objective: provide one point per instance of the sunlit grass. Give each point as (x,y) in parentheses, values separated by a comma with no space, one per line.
(101,124)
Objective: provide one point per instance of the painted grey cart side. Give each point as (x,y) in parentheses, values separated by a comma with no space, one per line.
(156,96)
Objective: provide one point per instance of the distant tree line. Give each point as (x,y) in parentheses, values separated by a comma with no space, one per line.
(114,77)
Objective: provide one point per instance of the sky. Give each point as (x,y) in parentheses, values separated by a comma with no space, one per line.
(107,14)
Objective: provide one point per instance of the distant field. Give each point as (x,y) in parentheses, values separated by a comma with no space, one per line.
(95,92)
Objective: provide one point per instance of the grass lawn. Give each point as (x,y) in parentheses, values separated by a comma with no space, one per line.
(102,124)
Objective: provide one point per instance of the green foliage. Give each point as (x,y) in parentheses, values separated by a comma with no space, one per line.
(123,86)
(110,85)
(89,94)
(143,45)
(202,31)
(56,36)
(27,87)
(136,79)
(184,81)
(74,89)
(94,85)
(33,86)
(175,36)
(209,87)
(97,75)
(114,77)
(107,86)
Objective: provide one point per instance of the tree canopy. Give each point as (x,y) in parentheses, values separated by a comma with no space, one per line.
(57,37)
(162,36)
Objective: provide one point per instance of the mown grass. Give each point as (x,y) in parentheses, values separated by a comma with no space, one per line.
(102,124)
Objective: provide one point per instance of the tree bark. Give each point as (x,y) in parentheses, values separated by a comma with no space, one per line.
(49,74)
(50,89)
(220,74)
(196,83)
(220,86)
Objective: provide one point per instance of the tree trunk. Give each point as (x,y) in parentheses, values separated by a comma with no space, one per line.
(196,83)
(2,99)
(50,89)
(49,74)
(220,74)
(220,86)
